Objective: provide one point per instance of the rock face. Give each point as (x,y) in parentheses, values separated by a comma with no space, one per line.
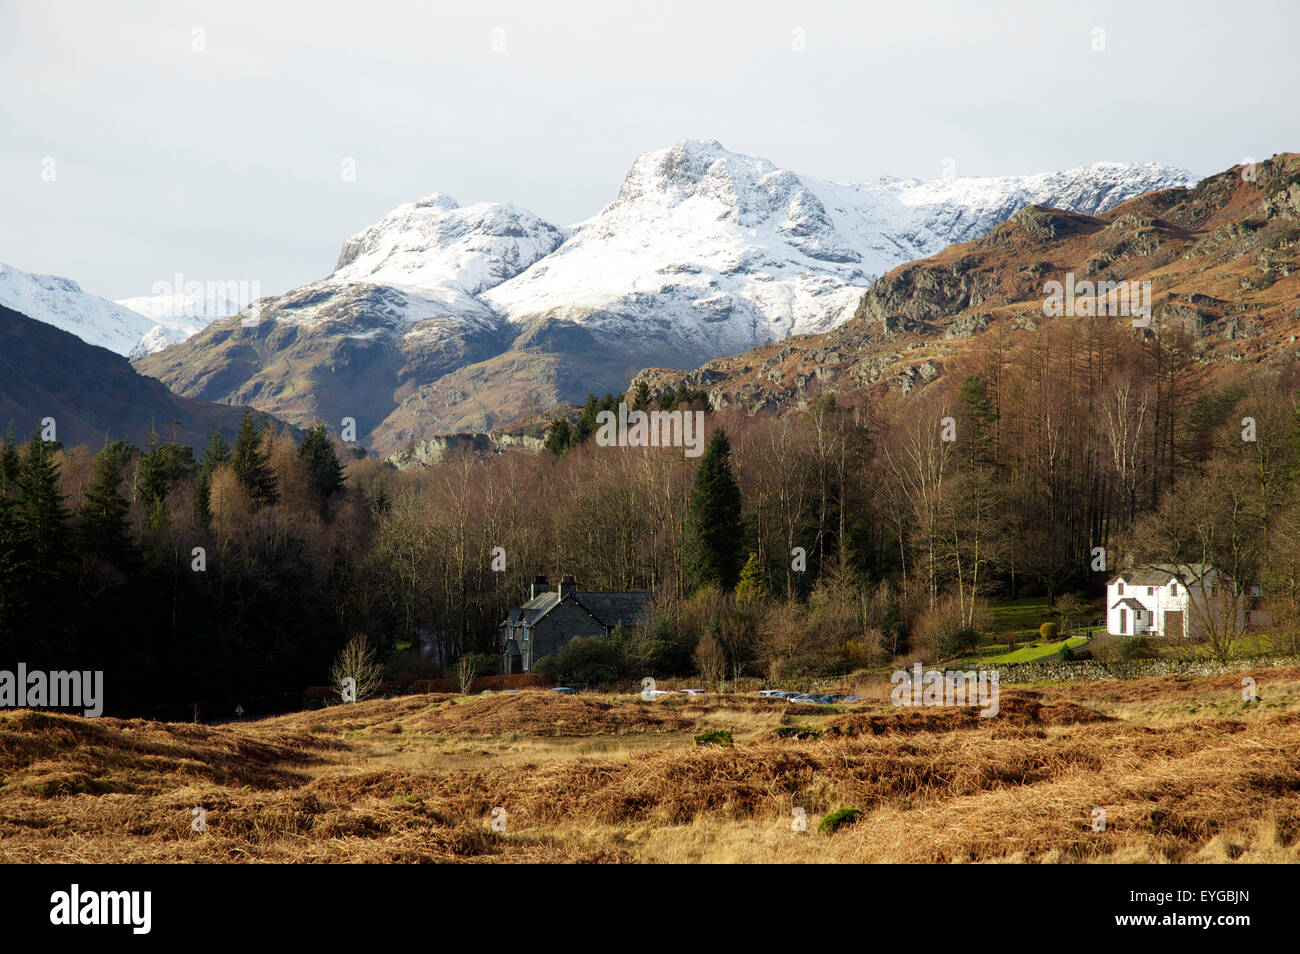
(1222,262)
(442,319)
(433,450)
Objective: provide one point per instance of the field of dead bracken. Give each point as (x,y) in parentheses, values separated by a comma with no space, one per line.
(1184,770)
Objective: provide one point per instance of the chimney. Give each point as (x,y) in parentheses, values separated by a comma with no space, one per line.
(538,587)
(568,586)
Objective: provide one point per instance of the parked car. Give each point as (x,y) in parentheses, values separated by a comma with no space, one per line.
(771,694)
(649,694)
(565,690)
(693,692)
(804,697)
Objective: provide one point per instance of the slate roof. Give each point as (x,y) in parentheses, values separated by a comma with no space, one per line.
(1158,574)
(608,608)
(1131,604)
(539,606)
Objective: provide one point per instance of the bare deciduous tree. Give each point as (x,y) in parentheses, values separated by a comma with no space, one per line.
(466,670)
(356,661)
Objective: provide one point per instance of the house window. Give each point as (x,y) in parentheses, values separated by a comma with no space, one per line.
(1123,620)
(1151,591)
(1173,589)
(1121,587)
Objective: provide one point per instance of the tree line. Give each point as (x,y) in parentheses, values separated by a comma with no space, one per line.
(865,527)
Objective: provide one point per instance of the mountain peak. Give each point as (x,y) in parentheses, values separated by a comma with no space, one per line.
(434,243)
(689,168)
(435,200)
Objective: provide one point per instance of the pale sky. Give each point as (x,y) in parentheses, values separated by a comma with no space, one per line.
(226,163)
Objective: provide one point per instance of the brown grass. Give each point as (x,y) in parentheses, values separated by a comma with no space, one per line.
(594,779)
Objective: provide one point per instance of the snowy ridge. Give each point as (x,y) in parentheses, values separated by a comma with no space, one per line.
(176,318)
(418,271)
(61,302)
(726,252)
(703,253)
(436,244)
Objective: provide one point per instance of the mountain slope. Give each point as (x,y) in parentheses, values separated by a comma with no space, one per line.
(399,310)
(90,391)
(1223,262)
(175,318)
(709,252)
(439,319)
(61,302)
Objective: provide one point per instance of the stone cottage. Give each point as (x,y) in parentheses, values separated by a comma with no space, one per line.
(550,618)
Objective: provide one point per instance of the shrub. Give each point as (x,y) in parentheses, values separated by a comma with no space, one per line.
(590,660)
(660,657)
(1049,631)
(714,737)
(548,667)
(1131,648)
(796,732)
(486,664)
(960,641)
(839,819)
(936,627)
(1065,653)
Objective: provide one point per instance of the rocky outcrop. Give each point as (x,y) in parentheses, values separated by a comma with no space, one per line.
(433,450)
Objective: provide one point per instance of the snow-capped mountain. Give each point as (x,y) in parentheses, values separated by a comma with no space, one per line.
(132,327)
(423,265)
(440,318)
(725,251)
(401,308)
(434,243)
(175,318)
(61,302)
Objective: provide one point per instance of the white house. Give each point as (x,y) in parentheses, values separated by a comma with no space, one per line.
(1164,599)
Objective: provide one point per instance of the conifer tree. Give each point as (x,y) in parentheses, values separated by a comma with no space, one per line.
(42,521)
(753,581)
(641,400)
(558,437)
(104,529)
(713,531)
(317,451)
(252,462)
(216,454)
(10,590)
(10,463)
(161,468)
(977,419)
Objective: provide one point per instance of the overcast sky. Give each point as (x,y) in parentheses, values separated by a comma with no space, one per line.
(226,163)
